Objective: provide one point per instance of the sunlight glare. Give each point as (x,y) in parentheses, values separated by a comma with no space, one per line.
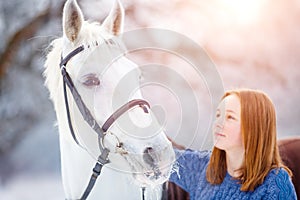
(244,11)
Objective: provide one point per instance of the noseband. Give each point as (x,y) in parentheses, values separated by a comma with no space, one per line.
(88,117)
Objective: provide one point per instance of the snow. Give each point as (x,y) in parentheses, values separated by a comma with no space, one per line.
(33,187)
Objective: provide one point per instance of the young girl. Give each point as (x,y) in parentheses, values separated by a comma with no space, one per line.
(244,162)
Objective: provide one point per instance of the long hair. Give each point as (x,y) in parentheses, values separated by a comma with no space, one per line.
(258,129)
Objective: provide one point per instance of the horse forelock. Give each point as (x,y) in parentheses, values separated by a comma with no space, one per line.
(92,34)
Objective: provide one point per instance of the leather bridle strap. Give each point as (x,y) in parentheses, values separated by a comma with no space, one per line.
(85,112)
(68,80)
(136,102)
(87,116)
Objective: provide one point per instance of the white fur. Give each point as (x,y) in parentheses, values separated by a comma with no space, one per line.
(123,177)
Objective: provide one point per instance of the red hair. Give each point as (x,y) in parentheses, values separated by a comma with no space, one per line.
(258,129)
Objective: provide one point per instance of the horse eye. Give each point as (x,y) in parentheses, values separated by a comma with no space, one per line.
(91,80)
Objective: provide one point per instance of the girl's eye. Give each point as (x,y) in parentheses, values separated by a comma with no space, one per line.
(91,80)
(218,115)
(230,117)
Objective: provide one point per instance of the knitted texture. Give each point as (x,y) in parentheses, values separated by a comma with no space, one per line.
(190,174)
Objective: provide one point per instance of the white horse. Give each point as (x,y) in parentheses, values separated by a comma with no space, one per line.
(139,153)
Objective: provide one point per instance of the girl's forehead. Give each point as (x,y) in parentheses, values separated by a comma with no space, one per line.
(230,102)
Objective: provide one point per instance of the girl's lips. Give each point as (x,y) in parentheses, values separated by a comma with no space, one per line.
(219,134)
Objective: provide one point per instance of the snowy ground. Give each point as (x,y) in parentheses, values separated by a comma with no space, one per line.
(33,187)
(35,166)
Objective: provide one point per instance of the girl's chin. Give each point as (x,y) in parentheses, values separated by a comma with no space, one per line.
(218,144)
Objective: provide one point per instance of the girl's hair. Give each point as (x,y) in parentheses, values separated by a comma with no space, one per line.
(258,129)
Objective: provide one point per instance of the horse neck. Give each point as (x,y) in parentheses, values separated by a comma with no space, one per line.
(76,166)
(53,79)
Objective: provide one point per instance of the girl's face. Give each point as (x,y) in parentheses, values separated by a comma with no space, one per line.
(227,126)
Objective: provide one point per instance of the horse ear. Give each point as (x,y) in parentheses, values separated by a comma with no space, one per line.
(72,20)
(115,20)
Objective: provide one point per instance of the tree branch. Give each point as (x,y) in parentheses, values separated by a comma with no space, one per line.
(27,31)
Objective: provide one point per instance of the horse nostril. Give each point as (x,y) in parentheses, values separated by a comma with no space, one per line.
(151,158)
(148,155)
(149,150)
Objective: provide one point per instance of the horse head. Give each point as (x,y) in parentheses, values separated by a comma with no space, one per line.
(106,81)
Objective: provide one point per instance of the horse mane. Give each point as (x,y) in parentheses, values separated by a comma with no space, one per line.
(52,78)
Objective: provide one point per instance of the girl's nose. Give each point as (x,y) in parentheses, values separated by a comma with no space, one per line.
(219,122)
(219,125)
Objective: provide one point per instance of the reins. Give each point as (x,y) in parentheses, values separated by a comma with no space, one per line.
(88,117)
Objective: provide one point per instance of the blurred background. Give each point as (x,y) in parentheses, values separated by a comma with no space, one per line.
(253,44)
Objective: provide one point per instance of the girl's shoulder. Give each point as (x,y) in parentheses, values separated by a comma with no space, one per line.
(278,175)
(280,184)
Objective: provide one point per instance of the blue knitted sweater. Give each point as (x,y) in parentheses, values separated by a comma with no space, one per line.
(191,176)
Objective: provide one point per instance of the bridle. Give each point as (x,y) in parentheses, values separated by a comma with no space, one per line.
(88,117)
